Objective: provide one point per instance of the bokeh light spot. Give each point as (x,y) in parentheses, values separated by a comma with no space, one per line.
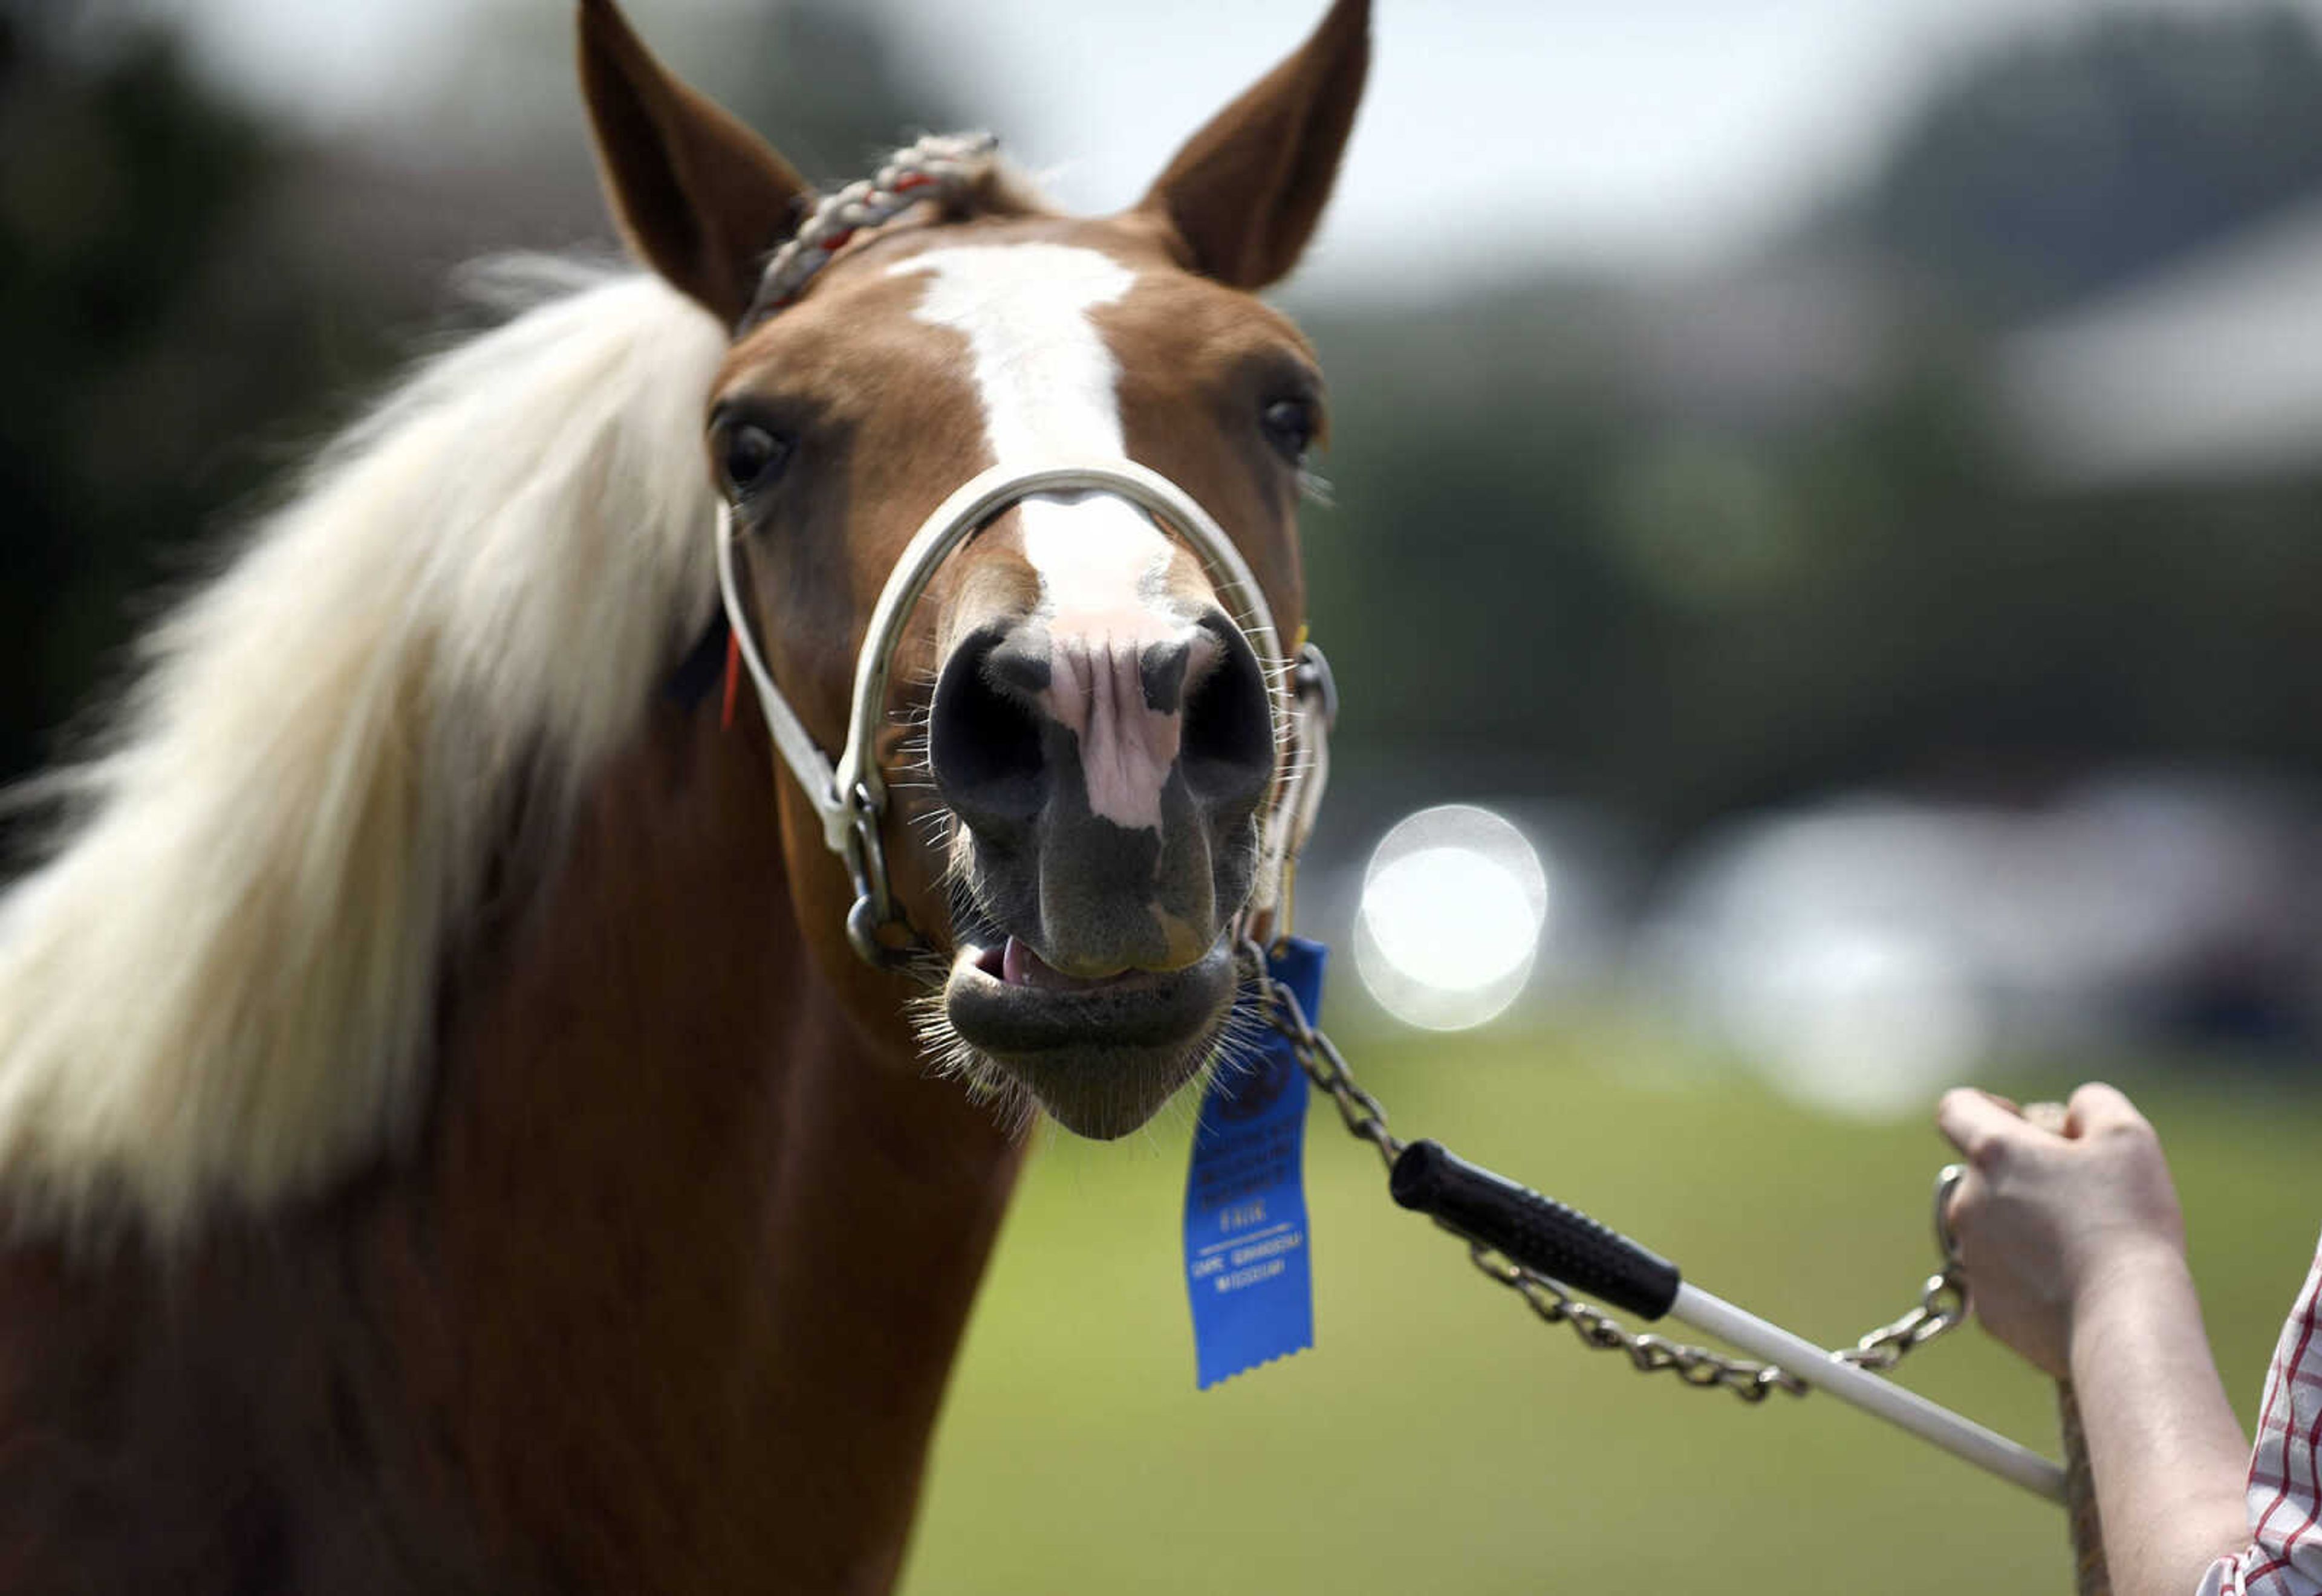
(1454,903)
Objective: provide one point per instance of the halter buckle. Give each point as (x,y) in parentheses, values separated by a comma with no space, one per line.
(875,914)
(1311,681)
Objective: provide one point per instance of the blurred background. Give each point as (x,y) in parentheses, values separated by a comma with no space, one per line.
(1822,569)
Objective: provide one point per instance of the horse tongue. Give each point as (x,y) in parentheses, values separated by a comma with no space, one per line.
(1020,966)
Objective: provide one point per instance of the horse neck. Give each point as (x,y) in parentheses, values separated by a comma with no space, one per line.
(702,1249)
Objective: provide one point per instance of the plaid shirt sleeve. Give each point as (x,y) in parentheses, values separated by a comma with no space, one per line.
(2285,1493)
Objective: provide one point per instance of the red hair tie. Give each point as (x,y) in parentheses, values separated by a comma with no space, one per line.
(733,677)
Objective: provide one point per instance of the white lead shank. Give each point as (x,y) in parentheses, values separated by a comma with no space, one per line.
(1960,1437)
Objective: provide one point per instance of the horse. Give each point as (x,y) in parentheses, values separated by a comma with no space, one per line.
(482,1108)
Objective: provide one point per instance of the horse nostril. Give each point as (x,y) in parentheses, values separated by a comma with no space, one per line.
(983,741)
(1228,740)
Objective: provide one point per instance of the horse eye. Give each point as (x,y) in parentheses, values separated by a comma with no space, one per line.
(751,457)
(1289,427)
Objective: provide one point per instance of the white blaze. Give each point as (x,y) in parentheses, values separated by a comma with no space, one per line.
(1048,385)
(1042,369)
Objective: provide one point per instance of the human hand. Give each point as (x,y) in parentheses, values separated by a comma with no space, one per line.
(2051,1218)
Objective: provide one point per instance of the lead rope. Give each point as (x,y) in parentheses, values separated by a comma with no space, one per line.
(2092,1574)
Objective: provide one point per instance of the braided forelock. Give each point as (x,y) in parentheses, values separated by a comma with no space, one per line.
(960,174)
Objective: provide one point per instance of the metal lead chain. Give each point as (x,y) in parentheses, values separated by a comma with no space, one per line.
(1942,1307)
(1648,1353)
(1365,1115)
(1943,1303)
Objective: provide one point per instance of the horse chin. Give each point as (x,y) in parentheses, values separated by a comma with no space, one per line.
(1100,1057)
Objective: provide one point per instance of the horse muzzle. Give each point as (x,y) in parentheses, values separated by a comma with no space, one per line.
(1111,789)
(1107,787)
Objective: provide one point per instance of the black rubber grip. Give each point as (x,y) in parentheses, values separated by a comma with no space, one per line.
(1538,1232)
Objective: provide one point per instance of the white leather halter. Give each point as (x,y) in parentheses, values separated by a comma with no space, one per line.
(850,794)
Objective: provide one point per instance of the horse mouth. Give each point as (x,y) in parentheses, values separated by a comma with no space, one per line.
(1100,1056)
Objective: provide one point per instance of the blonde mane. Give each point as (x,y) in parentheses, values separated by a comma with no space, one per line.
(219,988)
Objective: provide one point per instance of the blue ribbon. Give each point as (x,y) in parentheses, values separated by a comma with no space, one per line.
(1247,1266)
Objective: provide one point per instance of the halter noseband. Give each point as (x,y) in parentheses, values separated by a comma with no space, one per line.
(850,796)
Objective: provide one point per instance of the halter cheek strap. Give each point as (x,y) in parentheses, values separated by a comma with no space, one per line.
(849,795)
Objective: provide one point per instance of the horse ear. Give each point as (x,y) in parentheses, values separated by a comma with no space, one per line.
(1244,193)
(698,196)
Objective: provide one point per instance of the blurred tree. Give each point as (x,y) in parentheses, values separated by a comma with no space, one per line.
(2053,168)
(1535,581)
(190,296)
(1581,549)
(135,360)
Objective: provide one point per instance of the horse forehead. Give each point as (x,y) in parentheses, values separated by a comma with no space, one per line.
(1046,376)
(1049,383)
(1174,322)
(982,286)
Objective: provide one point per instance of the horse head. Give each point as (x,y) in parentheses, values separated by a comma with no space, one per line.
(1083,737)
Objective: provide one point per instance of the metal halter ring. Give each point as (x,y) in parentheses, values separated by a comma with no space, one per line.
(1947,1181)
(1953,1279)
(876,909)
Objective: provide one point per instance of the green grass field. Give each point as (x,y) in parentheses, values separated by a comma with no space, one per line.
(1440,1439)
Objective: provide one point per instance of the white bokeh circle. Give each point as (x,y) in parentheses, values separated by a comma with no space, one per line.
(1454,903)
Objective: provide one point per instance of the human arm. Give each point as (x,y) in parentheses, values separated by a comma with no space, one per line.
(2075,1246)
